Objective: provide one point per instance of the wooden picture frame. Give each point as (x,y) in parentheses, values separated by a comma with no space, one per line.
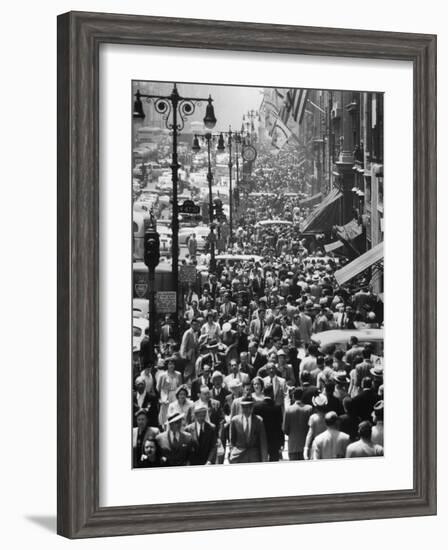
(79,38)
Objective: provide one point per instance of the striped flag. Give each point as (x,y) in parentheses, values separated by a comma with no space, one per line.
(294,106)
(280,135)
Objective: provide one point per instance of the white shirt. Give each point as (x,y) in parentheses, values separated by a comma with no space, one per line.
(330,444)
(198,428)
(247,424)
(141,398)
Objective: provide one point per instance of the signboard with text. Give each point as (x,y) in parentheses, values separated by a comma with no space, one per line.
(187,274)
(166,301)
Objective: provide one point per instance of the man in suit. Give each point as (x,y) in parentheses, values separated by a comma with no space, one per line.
(255,358)
(305,325)
(227,310)
(272,330)
(142,400)
(219,391)
(295,425)
(366,399)
(215,414)
(166,331)
(278,385)
(175,447)
(203,380)
(204,437)
(189,349)
(247,436)
(257,325)
(272,417)
(284,369)
(235,373)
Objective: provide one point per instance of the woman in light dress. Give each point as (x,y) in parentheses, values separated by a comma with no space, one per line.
(167,385)
(182,405)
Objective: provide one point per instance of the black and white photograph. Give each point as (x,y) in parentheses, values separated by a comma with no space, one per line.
(257,274)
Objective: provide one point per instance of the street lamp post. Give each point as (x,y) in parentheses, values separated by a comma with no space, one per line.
(208,138)
(179,108)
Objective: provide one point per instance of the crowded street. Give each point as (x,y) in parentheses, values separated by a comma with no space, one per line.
(258,311)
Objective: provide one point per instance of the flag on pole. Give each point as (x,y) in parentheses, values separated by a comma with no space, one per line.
(293,107)
(280,135)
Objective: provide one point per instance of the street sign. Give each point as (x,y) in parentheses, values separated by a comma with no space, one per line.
(188,207)
(166,301)
(187,274)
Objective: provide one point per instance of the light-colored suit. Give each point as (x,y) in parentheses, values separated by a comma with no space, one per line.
(247,447)
(189,350)
(242,376)
(279,387)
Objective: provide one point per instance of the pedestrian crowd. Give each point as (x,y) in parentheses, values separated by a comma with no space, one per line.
(242,376)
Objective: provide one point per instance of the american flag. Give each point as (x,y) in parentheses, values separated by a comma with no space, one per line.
(294,105)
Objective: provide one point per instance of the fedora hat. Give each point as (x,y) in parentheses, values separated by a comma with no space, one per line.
(377,371)
(248,400)
(341,378)
(320,400)
(175,417)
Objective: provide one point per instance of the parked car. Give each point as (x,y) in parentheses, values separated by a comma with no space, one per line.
(341,337)
(201,232)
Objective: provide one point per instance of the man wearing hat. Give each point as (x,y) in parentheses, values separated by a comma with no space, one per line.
(175,446)
(204,437)
(247,436)
(316,423)
(331,443)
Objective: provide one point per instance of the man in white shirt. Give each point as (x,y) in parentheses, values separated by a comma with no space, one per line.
(235,374)
(365,446)
(332,443)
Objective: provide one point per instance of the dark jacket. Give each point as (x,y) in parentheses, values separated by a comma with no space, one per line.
(272,417)
(204,449)
(175,454)
(150,404)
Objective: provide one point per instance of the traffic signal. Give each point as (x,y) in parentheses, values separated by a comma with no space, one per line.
(218,208)
(152,246)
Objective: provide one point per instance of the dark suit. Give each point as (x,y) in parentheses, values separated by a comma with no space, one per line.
(257,361)
(150,404)
(175,454)
(204,445)
(363,404)
(308,393)
(196,387)
(272,417)
(221,396)
(245,447)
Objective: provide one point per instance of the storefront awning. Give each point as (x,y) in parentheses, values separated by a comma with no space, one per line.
(310,201)
(363,262)
(325,215)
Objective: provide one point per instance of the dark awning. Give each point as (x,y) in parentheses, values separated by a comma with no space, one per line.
(325,215)
(363,262)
